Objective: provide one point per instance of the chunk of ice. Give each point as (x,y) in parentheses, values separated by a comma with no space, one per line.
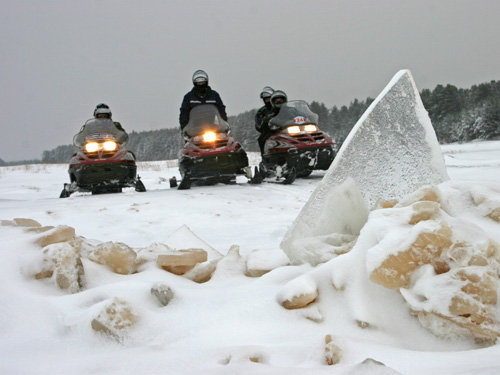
(390,152)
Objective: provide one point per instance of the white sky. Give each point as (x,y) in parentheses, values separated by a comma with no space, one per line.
(62,57)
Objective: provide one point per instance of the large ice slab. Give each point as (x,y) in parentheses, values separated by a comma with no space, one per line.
(390,152)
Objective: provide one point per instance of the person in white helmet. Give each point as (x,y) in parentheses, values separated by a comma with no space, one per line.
(201,93)
(278,97)
(102,111)
(261,114)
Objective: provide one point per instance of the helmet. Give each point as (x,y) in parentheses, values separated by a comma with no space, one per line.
(200,76)
(278,94)
(102,108)
(266,92)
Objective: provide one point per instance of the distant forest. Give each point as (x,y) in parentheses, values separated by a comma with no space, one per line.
(458,115)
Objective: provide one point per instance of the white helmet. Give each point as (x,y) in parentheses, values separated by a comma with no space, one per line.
(102,109)
(200,76)
(266,92)
(278,94)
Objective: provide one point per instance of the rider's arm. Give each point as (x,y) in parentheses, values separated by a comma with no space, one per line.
(184,114)
(220,106)
(259,117)
(265,122)
(118,126)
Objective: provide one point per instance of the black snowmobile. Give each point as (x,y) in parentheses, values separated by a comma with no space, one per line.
(210,154)
(102,164)
(297,146)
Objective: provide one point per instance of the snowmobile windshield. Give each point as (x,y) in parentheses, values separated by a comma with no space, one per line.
(203,118)
(98,129)
(295,112)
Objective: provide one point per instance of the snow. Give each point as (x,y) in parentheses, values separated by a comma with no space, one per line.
(266,259)
(342,215)
(217,326)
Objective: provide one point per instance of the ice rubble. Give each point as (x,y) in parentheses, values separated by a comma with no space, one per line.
(63,261)
(115,318)
(429,251)
(184,238)
(260,262)
(182,261)
(64,257)
(445,268)
(117,256)
(390,152)
(333,353)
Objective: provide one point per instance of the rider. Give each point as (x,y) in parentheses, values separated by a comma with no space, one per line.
(278,97)
(102,111)
(266,109)
(201,93)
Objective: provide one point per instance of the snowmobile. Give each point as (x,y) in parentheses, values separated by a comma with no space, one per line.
(102,164)
(297,146)
(210,155)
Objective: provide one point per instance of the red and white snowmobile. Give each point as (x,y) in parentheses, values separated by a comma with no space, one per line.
(102,164)
(210,154)
(297,146)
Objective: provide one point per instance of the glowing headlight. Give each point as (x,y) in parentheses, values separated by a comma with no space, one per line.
(293,130)
(91,147)
(109,146)
(209,137)
(310,128)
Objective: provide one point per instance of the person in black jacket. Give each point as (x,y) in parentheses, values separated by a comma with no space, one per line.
(200,94)
(278,97)
(266,109)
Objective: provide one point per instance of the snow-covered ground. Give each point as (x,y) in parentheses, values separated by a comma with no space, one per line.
(209,328)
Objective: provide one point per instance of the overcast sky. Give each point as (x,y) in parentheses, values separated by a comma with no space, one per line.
(60,58)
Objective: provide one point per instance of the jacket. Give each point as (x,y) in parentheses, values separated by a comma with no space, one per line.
(194,98)
(261,114)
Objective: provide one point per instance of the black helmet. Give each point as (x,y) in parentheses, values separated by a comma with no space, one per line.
(278,94)
(200,76)
(102,108)
(266,92)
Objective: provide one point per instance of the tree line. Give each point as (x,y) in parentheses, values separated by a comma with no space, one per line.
(462,115)
(458,115)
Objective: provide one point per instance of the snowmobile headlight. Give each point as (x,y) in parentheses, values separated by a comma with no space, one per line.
(311,128)
(209,137)
(293,130)
(109,146)
(91,147)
